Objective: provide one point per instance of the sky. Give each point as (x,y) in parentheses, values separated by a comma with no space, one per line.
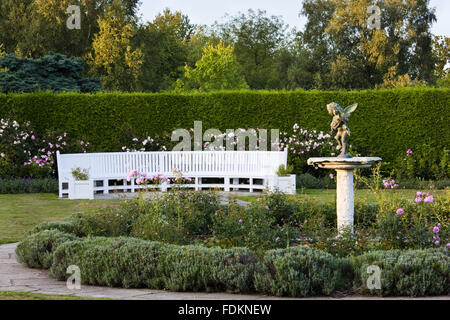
(209,11)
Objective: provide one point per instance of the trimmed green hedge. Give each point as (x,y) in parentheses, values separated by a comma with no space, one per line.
(298,272)
(386,123)
(63,226)
(408,273)
(134,263)
(36,250)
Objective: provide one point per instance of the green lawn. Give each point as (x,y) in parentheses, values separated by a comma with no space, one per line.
(323,196)
(19,213)
(19,295)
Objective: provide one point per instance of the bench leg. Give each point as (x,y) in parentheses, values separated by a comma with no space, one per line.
(60,189)
(105,186)
(227,184)
(197,184)
(236,182)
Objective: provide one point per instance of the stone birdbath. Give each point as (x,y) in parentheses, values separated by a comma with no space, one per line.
(344,164)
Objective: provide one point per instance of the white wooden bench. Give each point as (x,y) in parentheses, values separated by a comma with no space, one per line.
(228,170)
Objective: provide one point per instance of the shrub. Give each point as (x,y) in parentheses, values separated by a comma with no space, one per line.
(177,217)
(25,153)
(133,263)
(311,182)
(80,174)
(115,262)
(312,217)
(17,144)
(63,226)
(106,222)
(15,186)
(281,207)
(303,144)
(419,184)
(188,217)
(365,214)
(253,227)
(426,162)
(194,268)
(298,272)
(283,171)
(406,273)
(410,224)
(36,250)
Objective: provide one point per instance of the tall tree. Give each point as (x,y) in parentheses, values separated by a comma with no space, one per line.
(113,58)
(33,28)
(216,70)
(164,42)
(441,52)
(356,56)
(256,38)
(314,43)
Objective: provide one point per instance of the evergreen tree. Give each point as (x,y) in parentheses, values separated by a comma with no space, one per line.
(53,72)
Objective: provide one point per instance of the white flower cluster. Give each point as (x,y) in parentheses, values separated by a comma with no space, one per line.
(146,144)
(303,141)
(11,131)
(235,140)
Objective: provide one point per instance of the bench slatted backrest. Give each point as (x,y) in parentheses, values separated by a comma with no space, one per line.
(118,165)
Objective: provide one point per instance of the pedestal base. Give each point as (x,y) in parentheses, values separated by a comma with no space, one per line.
(345,202)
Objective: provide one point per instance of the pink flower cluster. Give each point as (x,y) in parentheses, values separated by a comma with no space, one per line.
(42,161)
(390,184)
(159,179)
(436,238)
(408,153)
(143,179)
(424,197)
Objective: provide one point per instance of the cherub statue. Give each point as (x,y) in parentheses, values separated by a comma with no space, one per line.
(339,125)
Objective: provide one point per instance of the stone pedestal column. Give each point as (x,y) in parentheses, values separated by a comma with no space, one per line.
(345,201)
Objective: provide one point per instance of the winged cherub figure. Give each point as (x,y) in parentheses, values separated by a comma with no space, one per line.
(339,126)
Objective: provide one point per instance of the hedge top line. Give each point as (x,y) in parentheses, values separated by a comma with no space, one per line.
(231,92)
